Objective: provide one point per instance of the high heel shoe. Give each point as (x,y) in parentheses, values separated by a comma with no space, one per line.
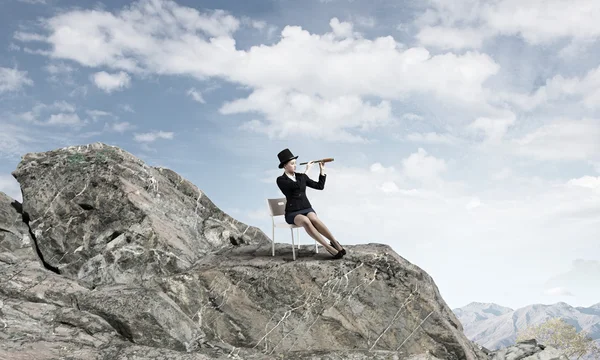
(343,251)
(338,255)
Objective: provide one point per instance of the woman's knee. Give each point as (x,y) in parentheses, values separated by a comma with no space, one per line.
(301,220)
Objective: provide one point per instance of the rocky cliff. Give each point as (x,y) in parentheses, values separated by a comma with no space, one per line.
(108,258)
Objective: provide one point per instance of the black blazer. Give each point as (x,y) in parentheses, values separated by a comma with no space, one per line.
(295,191)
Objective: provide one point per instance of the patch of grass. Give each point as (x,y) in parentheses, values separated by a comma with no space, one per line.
(105,155)
(75,159)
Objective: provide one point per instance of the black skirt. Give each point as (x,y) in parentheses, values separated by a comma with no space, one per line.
(289,217)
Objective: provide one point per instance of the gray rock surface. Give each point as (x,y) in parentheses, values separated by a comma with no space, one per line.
(527,350)
(99,207)
(133,262)
(15,241)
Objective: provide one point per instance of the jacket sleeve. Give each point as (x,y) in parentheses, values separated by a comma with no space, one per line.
(283,186)
(316,185)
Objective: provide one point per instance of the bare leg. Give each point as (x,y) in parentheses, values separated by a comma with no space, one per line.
(303,221)
(318,224)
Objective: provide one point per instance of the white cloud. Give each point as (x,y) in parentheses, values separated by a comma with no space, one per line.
(60,113)
(65,119)
(451,38)
(112,82)
(196,95)
(152,136)
(13,79)
(58,68)
(301,67)
(590,182)
(493,128)
(379,168)
(96,114)
(291,114)
(121,127)
(22,36)
(38,109)
(585,89)
(423,167)
(536,21)
(60,72)
(62,106)
(561,140)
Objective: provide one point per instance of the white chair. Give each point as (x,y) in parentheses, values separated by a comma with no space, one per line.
(277,208)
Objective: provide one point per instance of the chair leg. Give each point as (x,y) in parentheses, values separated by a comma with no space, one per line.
(273,243)
(298,234)
(293,250)
(316,247)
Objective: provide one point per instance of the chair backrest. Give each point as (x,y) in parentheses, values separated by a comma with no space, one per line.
(276,206)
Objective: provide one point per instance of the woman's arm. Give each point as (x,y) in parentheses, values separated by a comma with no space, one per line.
(316,185)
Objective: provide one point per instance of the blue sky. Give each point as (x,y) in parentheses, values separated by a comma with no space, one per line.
(465,133)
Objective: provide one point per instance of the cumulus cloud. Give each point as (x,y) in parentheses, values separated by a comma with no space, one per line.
(328,70)
(424,167)
(13,79)
(290,114)
(152,136)
(59,113)
(112,82)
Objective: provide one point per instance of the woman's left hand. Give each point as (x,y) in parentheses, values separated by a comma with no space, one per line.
(321,165)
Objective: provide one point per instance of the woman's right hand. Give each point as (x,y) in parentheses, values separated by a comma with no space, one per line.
(308,165)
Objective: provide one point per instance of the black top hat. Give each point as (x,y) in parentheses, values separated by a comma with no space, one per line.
(284,156)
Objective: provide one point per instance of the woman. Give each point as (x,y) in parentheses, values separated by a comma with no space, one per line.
(298,209)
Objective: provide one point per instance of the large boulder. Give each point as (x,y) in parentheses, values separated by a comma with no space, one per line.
(371,300)
(371,305)
(102,216)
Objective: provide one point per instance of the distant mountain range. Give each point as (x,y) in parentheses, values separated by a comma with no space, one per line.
(494,326)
